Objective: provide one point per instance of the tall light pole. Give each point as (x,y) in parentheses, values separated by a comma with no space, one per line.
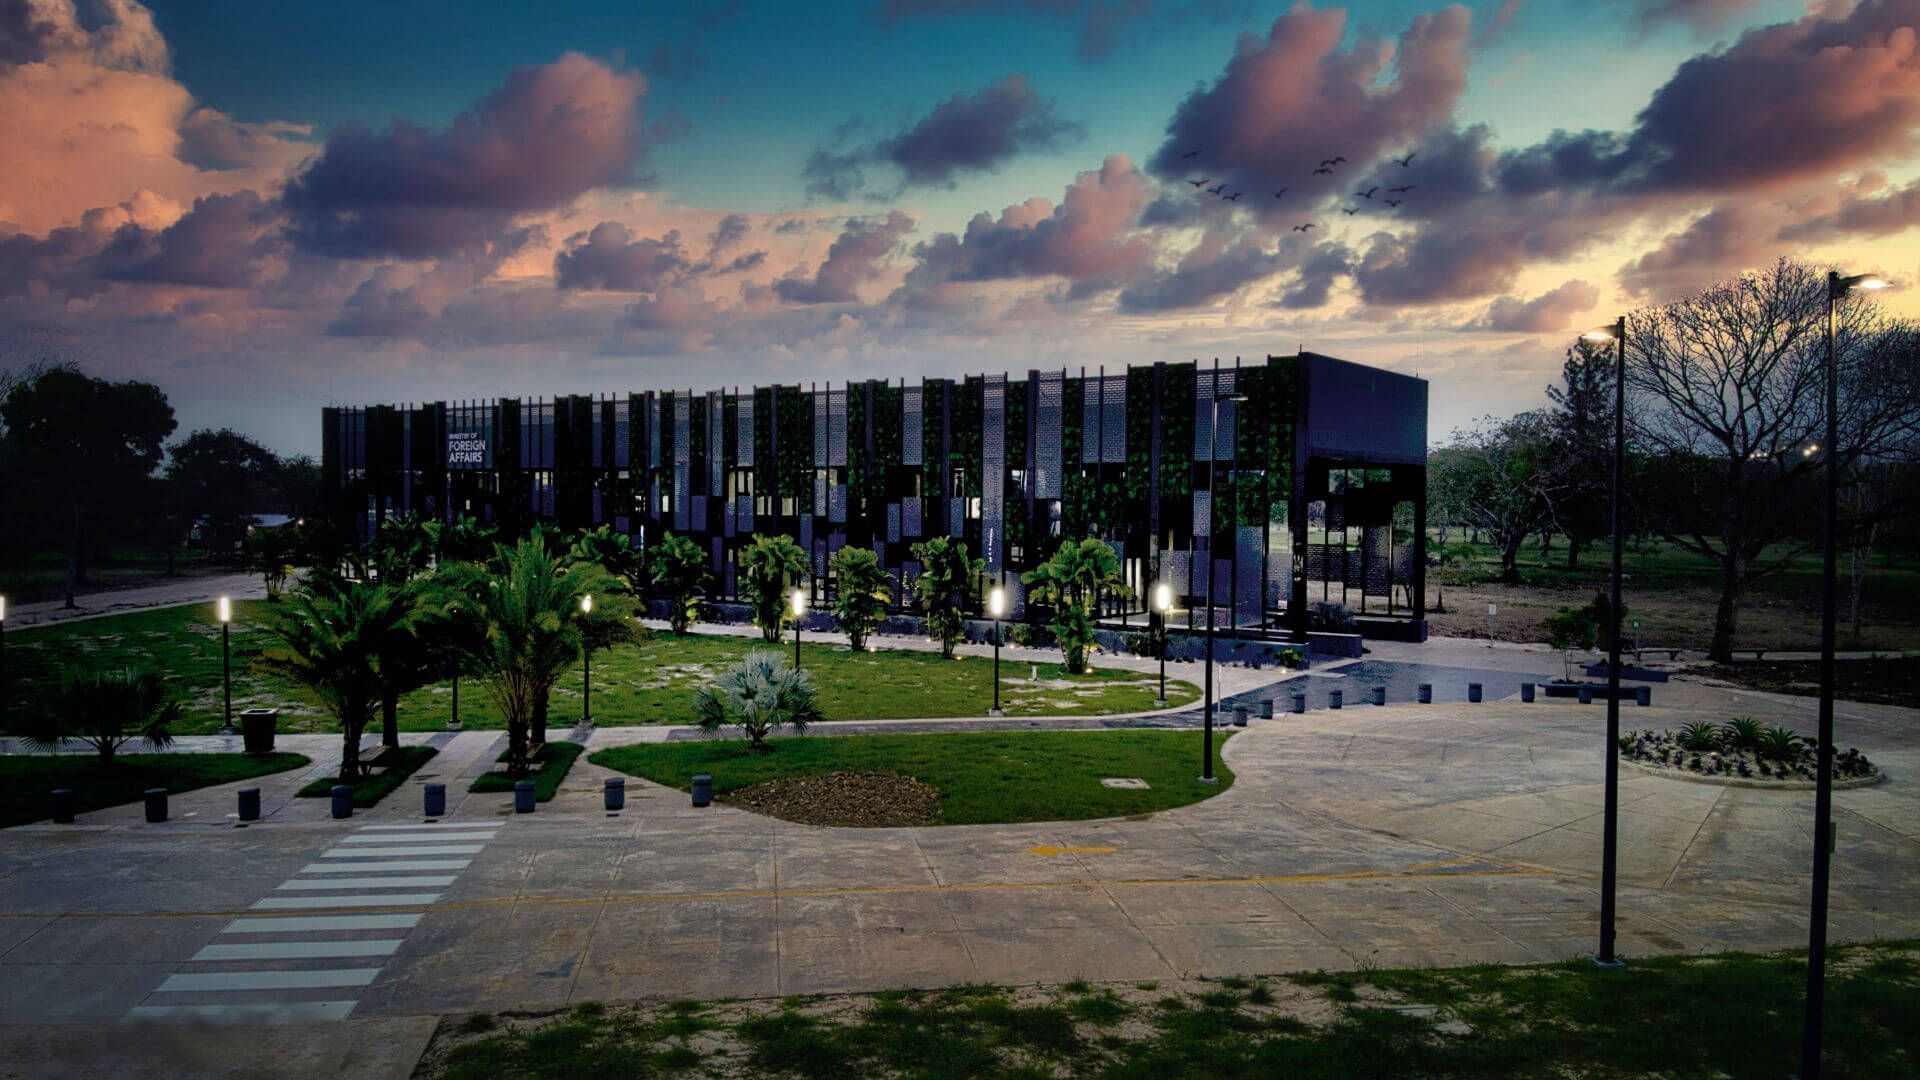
(1610,829)
(1162,604)
(1213,453)
(799,602)
(1810,1033)
(586,660)
(223,609)
(996,606)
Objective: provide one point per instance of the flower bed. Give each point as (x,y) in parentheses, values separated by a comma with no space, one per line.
(1741,751)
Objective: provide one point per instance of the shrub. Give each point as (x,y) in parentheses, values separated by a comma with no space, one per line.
(758,694)
(1741,733)
(1022,634)
(1699,736)
(106,711)
(1780,744)
(1331,618)
(1140,644)
(1582,627)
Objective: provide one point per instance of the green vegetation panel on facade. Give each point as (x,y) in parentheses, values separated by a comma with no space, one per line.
(984,777)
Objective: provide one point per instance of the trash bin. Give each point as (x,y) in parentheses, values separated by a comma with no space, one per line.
(257,728)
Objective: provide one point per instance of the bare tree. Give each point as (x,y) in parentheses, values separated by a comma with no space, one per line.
(1729,390)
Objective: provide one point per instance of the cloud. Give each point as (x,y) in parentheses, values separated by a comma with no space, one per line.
(1296,97)
(224,242)
(548,135)
(1101,21)
(606,258)
(1215,268)
(1701,14)
(852,260)
(1860,215)
(118,35)
(835,175)
(976,132)
(1545,313)
(1314,283)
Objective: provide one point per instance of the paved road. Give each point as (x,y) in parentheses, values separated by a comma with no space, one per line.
(1400,835)
(187,590)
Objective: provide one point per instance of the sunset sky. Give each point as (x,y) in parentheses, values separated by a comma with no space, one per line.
(266,208)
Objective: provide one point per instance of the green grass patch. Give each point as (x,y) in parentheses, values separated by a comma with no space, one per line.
(26,780)
(651,682)
(984,777)
(395,763)
(549,768)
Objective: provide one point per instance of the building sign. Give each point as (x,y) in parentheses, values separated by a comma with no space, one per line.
(467,450)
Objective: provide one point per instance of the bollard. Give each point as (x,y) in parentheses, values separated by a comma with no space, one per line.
(343,800)
(1474,691)
(1643,696)
(1586,695)
(249,804)
(1335,698)
(1379,695)
(702,790)
(1425,696)
(523,796)
(1526,691)
(1239,716)
(616,793)
(1266,709)
(63,803)
(436,800)
(156,805)
(1299,703)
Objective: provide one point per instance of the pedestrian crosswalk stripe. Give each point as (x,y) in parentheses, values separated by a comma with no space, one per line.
(398,881)
(297,950)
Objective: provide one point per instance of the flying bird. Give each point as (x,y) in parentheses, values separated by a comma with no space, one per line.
(1221,190)
(1405,161)
(1202,182)
(1368,194)
(1394,202)
(1397,190)
(1322,169)
(1235,195)
(1350,212)
(1190,153)
(1303,228)
(1279,193)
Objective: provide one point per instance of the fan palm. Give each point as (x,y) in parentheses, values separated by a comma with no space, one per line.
(106,711)
(758,694)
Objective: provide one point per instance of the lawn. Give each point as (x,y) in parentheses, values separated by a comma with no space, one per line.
(549,768)
(649,683)
(26,779)
(984,777)
(395,764)
(1732,1014)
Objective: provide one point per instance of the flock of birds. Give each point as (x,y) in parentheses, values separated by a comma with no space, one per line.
(1326,168)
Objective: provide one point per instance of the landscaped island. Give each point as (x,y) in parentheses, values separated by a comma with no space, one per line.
(1741,750)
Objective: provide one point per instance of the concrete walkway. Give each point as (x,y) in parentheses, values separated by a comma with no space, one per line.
(187,590)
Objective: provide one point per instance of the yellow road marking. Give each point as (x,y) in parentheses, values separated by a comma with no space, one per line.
(1425,870)
(1050,850)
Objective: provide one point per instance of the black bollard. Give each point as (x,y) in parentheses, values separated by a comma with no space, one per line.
(616,793)
(1379,695)
(1526,691)
(702,790)
(249,804)
(1239,716)
(436,800)
(1643,696)
(342,800)
(1585,695)
(156,805)
(1425,696)
(1336,698)
(523,796)
(1266,709)
(1299,703)
(63,803)
(1474,691)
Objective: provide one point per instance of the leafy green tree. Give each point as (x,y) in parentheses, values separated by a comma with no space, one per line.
(222,479)
(333,638)
(947,576)
(758,694)
(613,551)
(1072,583)
(677,568)
(270,553)
(401,549)
(527,630)
(105,710)
(1499,477)
(1582,441)
(770,566)
(861,591)
(81,451)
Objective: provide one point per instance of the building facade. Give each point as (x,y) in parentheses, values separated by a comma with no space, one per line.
(1291,481)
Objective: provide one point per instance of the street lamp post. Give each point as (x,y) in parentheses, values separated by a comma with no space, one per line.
(586,661)
(996,606)
(1610,828)
(224,610)
(1162,604)
(1810,1035)
(1213,453)
(799,601)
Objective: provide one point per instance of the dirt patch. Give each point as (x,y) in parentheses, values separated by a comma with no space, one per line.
(868,800)
(1890,681)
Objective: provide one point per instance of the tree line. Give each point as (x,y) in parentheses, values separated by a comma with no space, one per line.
(1725,424)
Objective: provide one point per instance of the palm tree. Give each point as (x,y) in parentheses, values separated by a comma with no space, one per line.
(333,639)
(464,539)
(768,567)
(947,575)
(612,550)
(106,711)
(1072,583)
(758,694)
(527,630)
(862,589)
(677,569)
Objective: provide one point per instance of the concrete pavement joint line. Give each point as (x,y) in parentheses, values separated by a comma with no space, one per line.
(1667,881)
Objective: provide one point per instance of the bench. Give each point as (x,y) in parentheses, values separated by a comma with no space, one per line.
(1639,650)
(1757,653)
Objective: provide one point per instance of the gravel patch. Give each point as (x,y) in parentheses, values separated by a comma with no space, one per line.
(859,799)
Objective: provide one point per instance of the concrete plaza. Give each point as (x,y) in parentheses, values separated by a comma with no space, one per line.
(1403,835)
